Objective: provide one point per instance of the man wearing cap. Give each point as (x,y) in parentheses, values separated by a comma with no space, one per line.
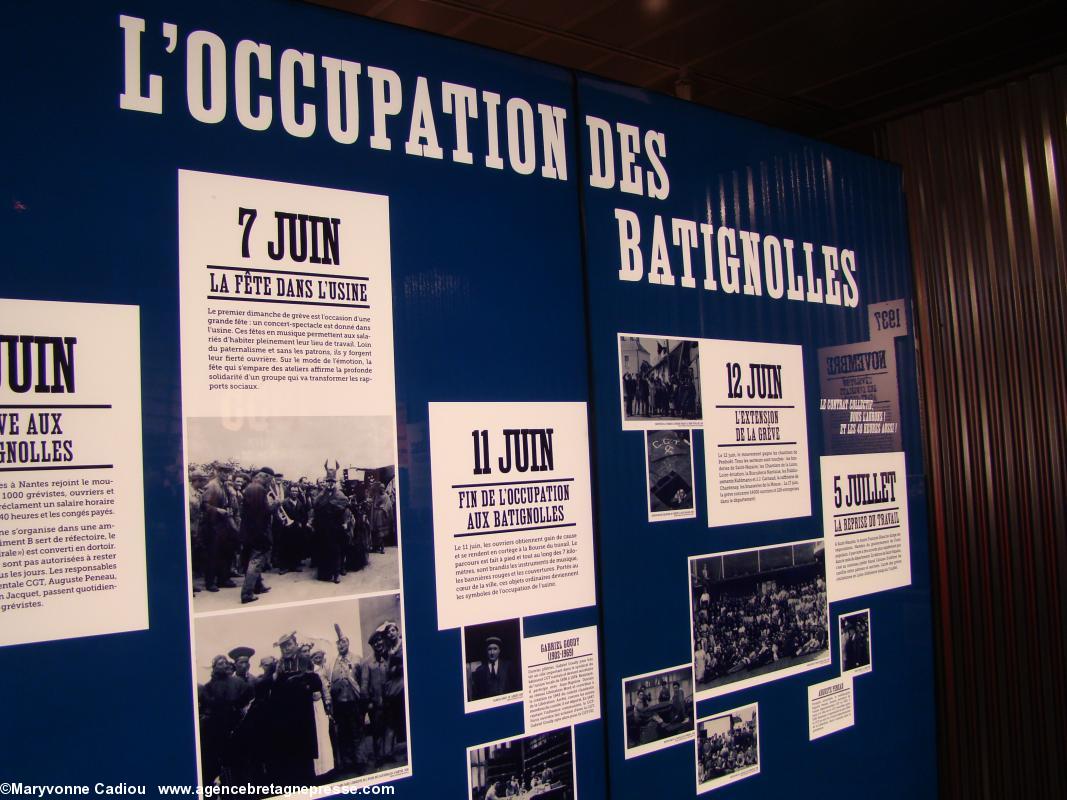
(257,511)
(330,521)
(494,676)
(374,673)
(242,743)
(198,480)
(678,709)
(347,696)
(259,721)
(217,528)
(221,702)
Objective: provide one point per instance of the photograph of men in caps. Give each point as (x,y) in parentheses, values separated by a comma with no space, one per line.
(319,711)
(493,659)
(307,526)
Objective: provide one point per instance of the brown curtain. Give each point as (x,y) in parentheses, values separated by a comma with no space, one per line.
(986,187)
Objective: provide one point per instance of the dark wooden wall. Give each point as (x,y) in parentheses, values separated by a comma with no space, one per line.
(986,186)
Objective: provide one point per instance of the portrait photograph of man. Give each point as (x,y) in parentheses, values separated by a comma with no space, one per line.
(855,642)
(492,659)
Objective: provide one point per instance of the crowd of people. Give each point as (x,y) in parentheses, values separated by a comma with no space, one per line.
(741,632)
(244,522)
(648,394)
(724,753)
(304,720)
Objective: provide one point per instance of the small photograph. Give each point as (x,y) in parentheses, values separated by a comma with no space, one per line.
(727,747)
(659,382)
(659,709)
(855,642)
(541,765)
(304,695)
(288,509)
(758,615)
(492,664)
(669,474)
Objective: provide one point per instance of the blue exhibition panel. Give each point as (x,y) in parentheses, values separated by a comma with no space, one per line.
(487,297)
(536,229)
(662,177)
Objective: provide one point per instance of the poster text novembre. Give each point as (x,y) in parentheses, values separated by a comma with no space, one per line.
(252,82)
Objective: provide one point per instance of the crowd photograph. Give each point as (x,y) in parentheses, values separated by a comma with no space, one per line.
(758,615)
(304,695)
(291,509)
(540,765)
(492,663)
(669,462)
(659,709)
(660,379)
(855,642)
(727,747)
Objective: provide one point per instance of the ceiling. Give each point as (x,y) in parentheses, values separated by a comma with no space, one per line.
(832,69)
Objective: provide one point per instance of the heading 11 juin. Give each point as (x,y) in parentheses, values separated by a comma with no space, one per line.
(525,450)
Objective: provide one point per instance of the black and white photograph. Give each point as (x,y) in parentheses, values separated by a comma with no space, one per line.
(492,664)
(758,615)
(289,509)
(659,709)
(855,641)
(727,747)
(669,474)
(540,765)
(305,695)
(659,382)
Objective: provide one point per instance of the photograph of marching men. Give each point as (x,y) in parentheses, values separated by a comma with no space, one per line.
(659,709)
(758,615)
(492,664)
(659,382)
(541,765)
(669,474)
(301,508)
(727,747)
(855,642)
(303,695)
